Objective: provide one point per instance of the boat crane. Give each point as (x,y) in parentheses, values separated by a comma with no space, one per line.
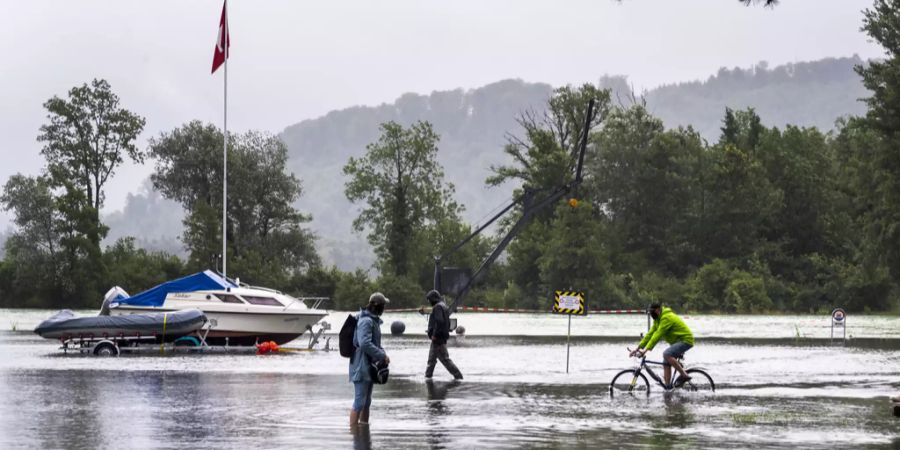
(530,204)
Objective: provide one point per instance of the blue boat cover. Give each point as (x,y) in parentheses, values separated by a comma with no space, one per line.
(201,281)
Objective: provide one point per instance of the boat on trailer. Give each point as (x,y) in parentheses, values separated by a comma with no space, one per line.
(238,314)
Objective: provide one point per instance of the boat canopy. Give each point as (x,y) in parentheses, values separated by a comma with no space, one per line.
(201,281)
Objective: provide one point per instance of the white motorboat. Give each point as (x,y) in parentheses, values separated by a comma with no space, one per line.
(238,314)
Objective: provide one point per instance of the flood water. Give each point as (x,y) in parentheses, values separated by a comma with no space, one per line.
(780,383)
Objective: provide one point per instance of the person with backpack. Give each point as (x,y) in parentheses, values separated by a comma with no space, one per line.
(367,340)
(439,333)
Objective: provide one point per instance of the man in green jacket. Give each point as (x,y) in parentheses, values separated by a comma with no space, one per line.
(668,326)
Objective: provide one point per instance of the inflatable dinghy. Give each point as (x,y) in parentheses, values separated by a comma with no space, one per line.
(65,324)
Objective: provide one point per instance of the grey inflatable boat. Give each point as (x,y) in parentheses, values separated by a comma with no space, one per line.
(65,324)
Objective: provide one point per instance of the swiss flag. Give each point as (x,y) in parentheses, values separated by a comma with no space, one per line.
(223,41)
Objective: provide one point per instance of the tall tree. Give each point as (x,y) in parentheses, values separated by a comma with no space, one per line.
(34,251)
(266,239)
(403,188)
(645,179)
(547,151)
(882,23)
(543,158)
(88,136)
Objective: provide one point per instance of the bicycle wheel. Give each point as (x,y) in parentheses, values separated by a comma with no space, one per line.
(629,382)
(700,381)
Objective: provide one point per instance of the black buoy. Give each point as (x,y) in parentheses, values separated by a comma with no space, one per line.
(397,328)
(460,330)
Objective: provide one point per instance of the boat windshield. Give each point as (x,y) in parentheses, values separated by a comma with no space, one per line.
(229,298)
(255,300)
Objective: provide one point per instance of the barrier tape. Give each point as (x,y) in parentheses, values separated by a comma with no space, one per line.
(516,310)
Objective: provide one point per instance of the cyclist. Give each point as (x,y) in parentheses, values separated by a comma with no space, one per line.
(668,326)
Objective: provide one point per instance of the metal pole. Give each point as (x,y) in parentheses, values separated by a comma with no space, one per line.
(568,336)
(225,156)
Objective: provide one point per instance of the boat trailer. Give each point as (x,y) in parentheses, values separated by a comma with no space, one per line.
(106,345)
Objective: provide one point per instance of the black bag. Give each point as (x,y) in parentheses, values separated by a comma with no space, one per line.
(345,338)
(379,372)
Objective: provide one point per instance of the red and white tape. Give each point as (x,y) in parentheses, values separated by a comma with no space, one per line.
(531,311)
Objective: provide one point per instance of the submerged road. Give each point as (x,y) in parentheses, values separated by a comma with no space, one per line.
(775,392)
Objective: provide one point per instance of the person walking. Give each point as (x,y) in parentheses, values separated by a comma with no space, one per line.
(367,340)
(667,325)
(439,333)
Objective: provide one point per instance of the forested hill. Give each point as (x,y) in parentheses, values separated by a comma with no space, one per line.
(473,125)
(807,93)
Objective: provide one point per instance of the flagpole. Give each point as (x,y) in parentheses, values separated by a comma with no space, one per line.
(225,156)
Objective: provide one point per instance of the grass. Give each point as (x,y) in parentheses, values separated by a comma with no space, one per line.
(14,325)
(760,418)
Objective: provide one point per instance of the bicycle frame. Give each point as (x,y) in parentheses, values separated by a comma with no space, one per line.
(645,365)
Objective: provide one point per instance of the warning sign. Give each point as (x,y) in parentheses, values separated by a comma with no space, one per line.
(569,302)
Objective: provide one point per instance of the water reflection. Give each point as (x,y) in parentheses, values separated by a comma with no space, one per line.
(362,437)
(68,407)
(677,413)
(438,410)
(437,393)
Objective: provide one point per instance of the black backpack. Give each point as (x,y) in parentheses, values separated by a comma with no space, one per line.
(345,338)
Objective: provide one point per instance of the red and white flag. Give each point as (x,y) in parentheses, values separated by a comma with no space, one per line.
(223,41)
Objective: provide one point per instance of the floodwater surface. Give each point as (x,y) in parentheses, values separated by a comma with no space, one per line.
(780,383)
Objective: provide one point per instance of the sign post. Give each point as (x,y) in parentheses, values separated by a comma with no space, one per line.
(569,303)
(839,319)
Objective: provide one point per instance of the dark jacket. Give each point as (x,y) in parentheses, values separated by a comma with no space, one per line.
(439,323)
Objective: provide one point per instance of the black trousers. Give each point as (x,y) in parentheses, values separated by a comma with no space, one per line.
(438,352)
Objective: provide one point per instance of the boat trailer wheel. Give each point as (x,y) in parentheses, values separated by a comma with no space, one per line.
(106,348)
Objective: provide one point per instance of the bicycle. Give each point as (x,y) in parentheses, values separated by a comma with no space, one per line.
(632,381)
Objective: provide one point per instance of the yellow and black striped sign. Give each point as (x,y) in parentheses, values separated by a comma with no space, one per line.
(569,302)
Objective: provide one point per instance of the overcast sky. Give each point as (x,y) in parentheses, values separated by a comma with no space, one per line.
(295,60)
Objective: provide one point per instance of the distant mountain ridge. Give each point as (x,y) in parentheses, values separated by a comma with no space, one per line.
(473,125)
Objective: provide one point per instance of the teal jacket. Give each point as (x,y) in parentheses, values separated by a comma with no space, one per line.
(669,327)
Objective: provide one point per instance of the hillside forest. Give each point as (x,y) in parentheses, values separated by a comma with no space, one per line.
(748,217)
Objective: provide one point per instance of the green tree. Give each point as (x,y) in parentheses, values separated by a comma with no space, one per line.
(136,269)
(882,78)
(647,181)
(266,239)
(575,256)
(88,136)
(544,158)
(546,155)
(405,197)
(34,252)
(739,199)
